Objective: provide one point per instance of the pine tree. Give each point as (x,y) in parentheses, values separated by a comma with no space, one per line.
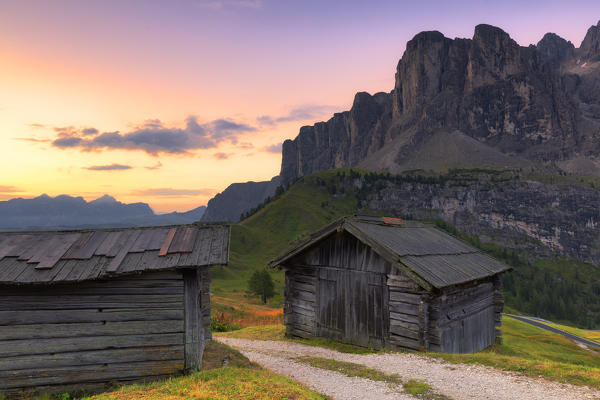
(261,284)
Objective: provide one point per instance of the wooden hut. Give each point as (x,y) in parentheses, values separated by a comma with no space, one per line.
(383,282)
(80,309)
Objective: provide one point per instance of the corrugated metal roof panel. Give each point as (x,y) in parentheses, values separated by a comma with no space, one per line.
(80,261)
(413,240)
(452,269)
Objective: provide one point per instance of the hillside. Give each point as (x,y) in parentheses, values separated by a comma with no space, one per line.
(463,103)
(315,200)
(238,198)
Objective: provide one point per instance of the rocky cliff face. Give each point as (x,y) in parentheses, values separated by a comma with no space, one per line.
(238,198)
(503,208)
(509,105)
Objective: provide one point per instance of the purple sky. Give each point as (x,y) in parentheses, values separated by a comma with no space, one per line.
(113,65)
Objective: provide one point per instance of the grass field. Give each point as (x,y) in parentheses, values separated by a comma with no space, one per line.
(584,333)
(239,379)
(526,349)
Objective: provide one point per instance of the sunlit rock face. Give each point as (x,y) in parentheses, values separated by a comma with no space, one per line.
(521,106)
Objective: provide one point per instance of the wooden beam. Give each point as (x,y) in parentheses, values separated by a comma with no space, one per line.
(165,247)
(194,329)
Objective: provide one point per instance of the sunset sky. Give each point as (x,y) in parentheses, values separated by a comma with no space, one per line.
(169,101)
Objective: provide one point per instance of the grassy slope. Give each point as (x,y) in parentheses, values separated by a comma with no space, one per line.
(526,349)
(240,379)
(305,207)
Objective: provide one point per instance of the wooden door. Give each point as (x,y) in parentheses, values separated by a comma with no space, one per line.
(352,306)
(332,307)
(365,324)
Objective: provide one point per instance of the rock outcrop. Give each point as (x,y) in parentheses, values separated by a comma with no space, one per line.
(521,105)
(548,220)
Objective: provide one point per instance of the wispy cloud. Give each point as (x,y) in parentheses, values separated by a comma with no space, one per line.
(154,137)
(245,146)
(274,148)
(111,167)
(222,156)
(9,189)
(89,131)
(170,192)
(302,113)
(32,139)
(155,166)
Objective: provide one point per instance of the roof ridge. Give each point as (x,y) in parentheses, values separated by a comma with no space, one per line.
(118,228)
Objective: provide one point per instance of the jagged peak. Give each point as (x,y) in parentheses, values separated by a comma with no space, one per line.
(486,35)
(424,38)
(555,48)
(590,47)
(105,199)
(433,36)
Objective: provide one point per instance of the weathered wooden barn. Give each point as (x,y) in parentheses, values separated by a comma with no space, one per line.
(81,309)
(383,282)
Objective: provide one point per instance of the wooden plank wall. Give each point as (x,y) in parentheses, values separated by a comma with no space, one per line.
(300,306)
(337,289)
(409,313)
(462,319)
(80,335)
(498,308)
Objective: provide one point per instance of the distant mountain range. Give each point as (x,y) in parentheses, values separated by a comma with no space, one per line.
(45,212)
(464,103)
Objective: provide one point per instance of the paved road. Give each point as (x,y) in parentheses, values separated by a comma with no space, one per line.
(559,331)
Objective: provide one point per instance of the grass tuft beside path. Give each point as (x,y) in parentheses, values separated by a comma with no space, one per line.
(226,374)
(415,387)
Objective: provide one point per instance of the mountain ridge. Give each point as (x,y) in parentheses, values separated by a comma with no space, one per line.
(64,211)
(523,105)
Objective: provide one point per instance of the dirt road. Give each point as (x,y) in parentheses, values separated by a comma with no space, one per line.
(457,381)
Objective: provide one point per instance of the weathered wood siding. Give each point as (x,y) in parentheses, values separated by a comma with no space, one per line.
(463,319)
(338,289)
(80,335)
(409,312)
(300,306)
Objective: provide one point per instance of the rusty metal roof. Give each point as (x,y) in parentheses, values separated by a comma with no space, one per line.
(434,258)
(46,257)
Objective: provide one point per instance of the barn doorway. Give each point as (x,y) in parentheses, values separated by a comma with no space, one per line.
(352,306)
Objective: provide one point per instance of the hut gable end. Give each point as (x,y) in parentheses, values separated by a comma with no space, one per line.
(343,251)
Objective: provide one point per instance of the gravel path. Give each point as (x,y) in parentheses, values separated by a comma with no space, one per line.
(333,384)
(458,381)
